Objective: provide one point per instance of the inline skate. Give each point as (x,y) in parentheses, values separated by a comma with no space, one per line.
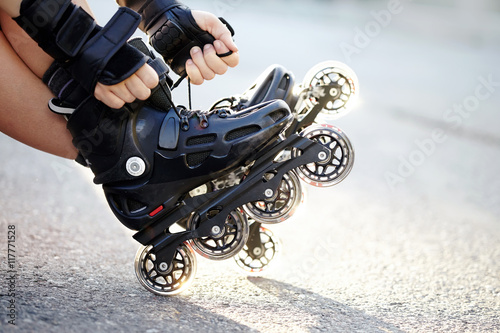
(203,182)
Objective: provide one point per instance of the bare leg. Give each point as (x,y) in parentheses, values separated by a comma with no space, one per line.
(24,114)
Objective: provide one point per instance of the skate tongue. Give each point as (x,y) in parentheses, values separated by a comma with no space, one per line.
(160,97)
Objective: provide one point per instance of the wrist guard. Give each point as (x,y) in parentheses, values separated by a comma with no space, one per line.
(172,30)
(71,36)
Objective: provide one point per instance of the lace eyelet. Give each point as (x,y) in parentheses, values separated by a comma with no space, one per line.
(203,121)
(184,123)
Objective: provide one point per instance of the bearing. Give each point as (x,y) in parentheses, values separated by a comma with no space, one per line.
(215,230)
(163,266)
(269,193)
(322,156)
(135,166)
(257,251)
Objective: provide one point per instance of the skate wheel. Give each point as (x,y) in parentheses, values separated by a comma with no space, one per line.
(170,281)
(339,162)
(255,260)
(282,205)
(327,73)
(227,242)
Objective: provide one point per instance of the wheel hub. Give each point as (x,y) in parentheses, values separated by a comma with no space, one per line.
(164,268)
(217,232)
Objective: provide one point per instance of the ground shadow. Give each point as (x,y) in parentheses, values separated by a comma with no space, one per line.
(331,316)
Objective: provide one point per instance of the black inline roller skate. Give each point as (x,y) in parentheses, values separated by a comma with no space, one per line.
(212,173)
(326,93)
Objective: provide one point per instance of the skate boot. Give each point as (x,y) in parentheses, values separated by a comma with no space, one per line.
(149,155)
(224,217)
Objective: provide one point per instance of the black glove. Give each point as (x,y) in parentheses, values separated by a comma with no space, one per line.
(71,36)
(172,30)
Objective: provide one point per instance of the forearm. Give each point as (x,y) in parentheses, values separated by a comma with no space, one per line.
(24,115)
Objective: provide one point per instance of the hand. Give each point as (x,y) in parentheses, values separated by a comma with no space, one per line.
(137,86)
(205,64)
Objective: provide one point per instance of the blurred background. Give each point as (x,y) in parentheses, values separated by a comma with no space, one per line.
(410,241)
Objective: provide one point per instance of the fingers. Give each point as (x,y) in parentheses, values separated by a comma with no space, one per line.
(148,76)
(215,27)
(137,86)
(104,94)
(231,60)
(194,73)
(198,58)
(226,38)
(205,65)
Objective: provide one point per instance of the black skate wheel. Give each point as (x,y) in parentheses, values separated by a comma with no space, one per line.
(170,280)
(257,257)
(282,205)
(342,96)
(335,167)
(224,243)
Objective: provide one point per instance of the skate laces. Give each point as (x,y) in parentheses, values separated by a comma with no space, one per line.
(179,81)
(187,113)
(203,116)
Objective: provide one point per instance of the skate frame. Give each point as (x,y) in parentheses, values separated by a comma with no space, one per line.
(212,209)
(323,93)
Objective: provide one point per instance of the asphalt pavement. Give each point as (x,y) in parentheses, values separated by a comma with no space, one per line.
(409,242)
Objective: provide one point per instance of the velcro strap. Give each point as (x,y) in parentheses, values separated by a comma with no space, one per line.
(96,53)
(63,86)
(159,66)
(75,32)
